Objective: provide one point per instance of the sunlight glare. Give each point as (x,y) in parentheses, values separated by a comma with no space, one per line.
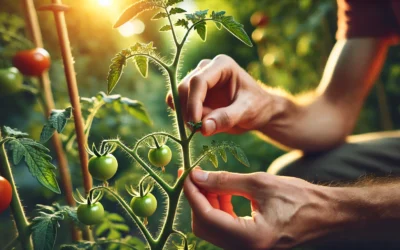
(105,3)
(131,28)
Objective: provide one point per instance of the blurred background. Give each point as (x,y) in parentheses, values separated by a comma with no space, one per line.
(292,39)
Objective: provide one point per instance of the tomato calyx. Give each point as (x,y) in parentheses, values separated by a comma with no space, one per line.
(90,199)
(104,149)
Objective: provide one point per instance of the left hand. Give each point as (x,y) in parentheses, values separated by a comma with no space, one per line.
(286,211)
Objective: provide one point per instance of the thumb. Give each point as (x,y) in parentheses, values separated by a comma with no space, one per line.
(226,183)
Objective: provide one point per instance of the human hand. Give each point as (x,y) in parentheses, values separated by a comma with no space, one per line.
(224,97)
(286,211)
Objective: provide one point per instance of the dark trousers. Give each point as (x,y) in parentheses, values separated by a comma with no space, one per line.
(370,155)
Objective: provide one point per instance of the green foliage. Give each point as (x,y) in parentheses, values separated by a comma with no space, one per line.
(45,226)
(35,156)
(210,153)
(112,227)
(139,50)
(56,122)
(136,9)
(235,28)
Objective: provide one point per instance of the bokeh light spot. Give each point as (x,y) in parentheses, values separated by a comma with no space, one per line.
(105,3)
(131,28)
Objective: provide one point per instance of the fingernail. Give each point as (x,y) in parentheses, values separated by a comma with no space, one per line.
(210,126)
(199,175)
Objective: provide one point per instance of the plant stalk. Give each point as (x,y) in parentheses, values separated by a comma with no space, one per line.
(73,93)
(21,222)
(48,105)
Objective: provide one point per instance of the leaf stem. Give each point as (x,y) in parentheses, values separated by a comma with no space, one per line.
(158,61)
(16,205)
(156,142)
(153,134)
(172,27)
(128,209)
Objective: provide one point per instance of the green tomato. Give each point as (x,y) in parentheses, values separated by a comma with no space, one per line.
(10,81)
(160,157)
(104,167)
(144,206)
(90,214)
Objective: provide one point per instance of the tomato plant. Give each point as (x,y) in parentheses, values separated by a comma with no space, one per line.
(32,62)
(5,194)
(103,167)
(10,81)
(144,206)
(90,214)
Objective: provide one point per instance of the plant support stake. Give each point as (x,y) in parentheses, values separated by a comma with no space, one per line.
(58,10)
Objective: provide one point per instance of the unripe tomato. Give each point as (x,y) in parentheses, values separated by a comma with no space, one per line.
(5,194)
(160,157)
(90,214)
(32,62)
(10,81)
(104,167)
(144,206)
(259,19)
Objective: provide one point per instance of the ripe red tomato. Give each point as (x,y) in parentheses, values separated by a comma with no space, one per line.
(32,62)
(259,19)
(5,194)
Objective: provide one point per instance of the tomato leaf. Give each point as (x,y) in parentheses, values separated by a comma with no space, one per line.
(135,10)
(201,29)
(37,159)
(182,22)
(115,72)
(142,64)
(165,28)
(159,15)
(56,122)
(173,2)
(176,10)
(209,152)
(44,229)
(9,132)
(235,28)
(112,227)
(133,107)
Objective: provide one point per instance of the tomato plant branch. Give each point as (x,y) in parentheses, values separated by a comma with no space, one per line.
(191,28)
(172,27)
(155,59)
(154,134)
(73,93)
(128,209)
(149,170)
(114,242)
(12,244)
(16,206)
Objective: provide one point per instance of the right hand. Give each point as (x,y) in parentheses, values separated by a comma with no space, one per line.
(224,97)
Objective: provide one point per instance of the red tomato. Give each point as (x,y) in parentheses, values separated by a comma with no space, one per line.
(5,194)
(32,62)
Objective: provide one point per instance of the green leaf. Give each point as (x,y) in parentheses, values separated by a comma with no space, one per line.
(115,217)
(135,10)
(56,122)
(201,14)
(142,64)
(159,15)
(37,159)
(235,29)
(238,153)
(44,230)
(165,28)
(115,72)
(183,23)
(176,10)
(9,132)
(209,152)
(218,25)
(173,2)
(133,107)
(201,29)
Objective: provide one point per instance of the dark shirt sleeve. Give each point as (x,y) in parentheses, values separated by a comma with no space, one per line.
(368,18)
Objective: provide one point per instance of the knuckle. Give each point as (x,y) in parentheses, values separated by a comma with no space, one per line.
(258,181)
(222,179)
(226,120)
(223,58)
(195,81)
(182,89)
(203,63)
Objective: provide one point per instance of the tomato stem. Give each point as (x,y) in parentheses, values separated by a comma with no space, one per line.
(16,205)
(155,141)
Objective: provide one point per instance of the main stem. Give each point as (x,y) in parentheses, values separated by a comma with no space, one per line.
(16,206)
(73,94)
